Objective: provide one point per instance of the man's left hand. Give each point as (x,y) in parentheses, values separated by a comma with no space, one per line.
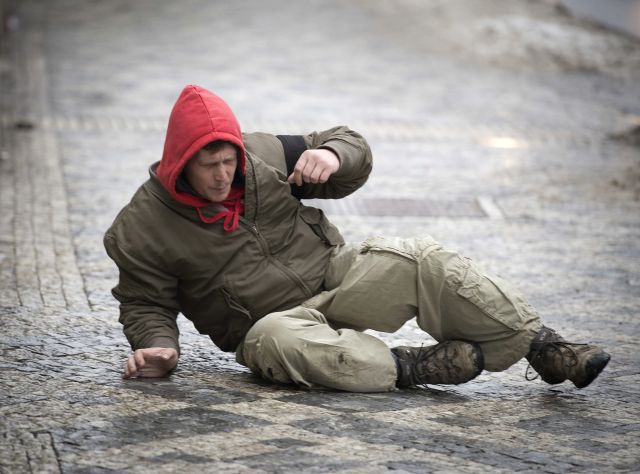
(150,362)
(314,166)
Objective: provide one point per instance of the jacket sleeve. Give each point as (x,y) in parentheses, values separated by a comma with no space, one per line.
(148,299)
(351,148)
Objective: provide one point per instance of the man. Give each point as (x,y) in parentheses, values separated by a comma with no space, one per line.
(218,233)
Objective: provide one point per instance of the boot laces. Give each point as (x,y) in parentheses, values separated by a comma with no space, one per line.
(431,363)
(570,358)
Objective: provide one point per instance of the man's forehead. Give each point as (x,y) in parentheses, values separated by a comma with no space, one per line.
(227,151)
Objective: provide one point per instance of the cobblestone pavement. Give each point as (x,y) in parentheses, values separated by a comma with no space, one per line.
(505,129)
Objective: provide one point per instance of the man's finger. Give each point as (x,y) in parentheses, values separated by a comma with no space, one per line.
(314,176)
(139,358)
(299,174)
(296,176)
(172,358)
(163,356)
(324,177)
(130,368)
(310,172)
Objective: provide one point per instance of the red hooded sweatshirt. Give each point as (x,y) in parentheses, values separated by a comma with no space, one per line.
(200,117)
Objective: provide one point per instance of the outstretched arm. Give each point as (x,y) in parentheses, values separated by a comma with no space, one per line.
(148,311)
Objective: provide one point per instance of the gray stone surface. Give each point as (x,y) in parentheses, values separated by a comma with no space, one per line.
(513,124)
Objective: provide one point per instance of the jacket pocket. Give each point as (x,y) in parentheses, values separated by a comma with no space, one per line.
(492,296)
(222,318)
(234,306)
(320,225)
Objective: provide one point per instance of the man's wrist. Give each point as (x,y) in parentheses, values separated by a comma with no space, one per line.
(332,150)
(166,342)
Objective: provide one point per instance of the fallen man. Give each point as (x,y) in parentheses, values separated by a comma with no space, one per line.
(219,234)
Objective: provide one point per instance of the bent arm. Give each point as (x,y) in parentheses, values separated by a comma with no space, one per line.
(352,150)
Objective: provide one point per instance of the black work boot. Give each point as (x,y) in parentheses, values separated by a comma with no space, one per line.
(557,360)
(450,362)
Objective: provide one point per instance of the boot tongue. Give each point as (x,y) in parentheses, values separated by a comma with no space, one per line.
(545,335)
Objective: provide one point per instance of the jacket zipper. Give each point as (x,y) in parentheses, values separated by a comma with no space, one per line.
(253,228)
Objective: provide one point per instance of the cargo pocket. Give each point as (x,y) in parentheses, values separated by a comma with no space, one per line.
(492,296)
(320,225)
(390,247)
(410,249)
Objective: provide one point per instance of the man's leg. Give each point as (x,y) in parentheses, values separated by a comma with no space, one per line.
(388,281)
(378,289)
(554,358)
(393,280)
(298,346)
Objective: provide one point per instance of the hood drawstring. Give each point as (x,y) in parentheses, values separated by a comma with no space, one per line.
(234,208)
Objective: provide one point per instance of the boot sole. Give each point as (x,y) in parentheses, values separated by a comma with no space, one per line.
(593,369)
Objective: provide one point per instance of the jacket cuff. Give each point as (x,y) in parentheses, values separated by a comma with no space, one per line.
(166,342)
(342,151)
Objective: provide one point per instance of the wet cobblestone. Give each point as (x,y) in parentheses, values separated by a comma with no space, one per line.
(511,108)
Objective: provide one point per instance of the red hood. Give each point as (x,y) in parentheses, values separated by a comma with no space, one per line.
(198,117)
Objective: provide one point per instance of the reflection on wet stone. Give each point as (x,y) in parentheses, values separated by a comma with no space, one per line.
(173,456)
(190,392)
(296,461)
(165,424)
(378,402)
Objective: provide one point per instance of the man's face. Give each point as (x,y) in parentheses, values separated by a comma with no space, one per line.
(211,174)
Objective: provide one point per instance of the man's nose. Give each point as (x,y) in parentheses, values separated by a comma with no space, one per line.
(219,174)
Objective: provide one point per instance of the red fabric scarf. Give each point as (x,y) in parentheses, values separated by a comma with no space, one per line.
(234,208)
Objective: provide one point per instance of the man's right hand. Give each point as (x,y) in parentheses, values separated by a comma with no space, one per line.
(150,362)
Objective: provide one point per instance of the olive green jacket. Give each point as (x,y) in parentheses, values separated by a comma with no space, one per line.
(171,262)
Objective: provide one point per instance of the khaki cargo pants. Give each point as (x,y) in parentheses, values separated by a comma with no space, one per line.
(380,285)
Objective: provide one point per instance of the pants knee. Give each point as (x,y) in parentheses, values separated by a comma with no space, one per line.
(273,341)
(268,326)
(260,344)
(268,334)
